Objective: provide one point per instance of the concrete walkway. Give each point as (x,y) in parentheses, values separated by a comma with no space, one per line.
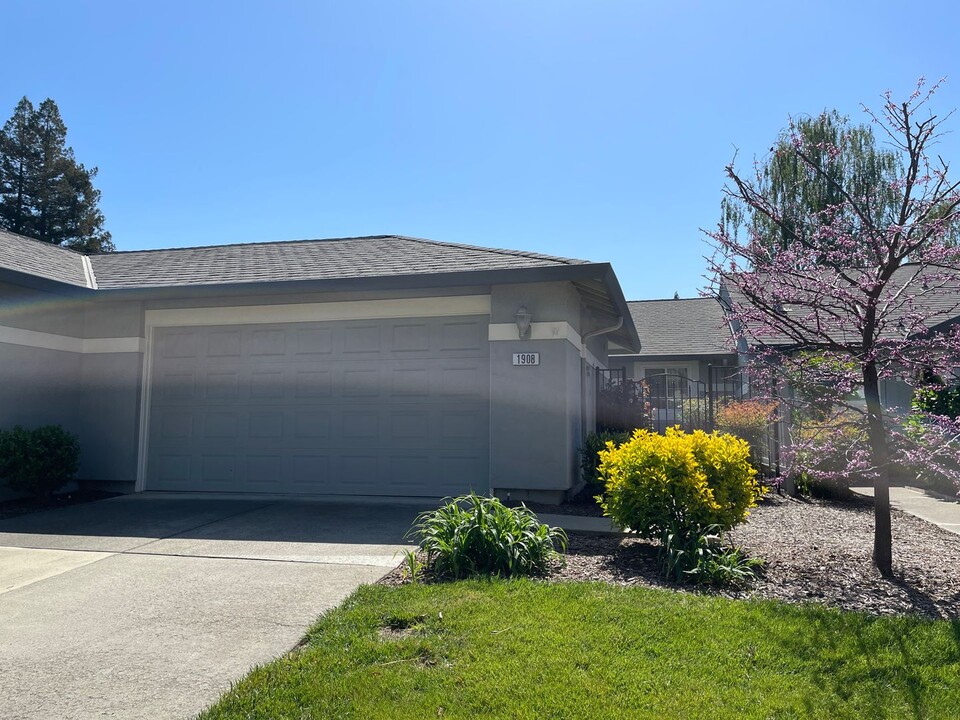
(581,524)
(938,510)
(149,607)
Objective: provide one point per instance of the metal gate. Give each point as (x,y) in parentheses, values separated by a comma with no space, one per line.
(657,402)
(665,400)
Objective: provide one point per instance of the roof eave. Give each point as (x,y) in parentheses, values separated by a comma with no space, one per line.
(376,282)
(38,282)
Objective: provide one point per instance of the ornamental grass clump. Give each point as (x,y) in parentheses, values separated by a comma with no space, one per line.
(480,536)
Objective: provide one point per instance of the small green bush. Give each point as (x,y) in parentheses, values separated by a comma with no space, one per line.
(657,484)
(40,460)
(480,536)
(590,455)
(703,558)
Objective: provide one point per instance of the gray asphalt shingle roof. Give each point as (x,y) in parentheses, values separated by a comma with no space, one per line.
(693,326)
(42,259)
(938,301)
(374,256)
(338,258)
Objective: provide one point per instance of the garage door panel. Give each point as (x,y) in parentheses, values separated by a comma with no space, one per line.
(176,386)
(362,339)
(463,471)
(410,382)
(407,338)
(394,407)
(461,336)
(314,383)
(360,382)
(179,344)
(265,425)
(224,344)
(268,342)
(409,426)
(314,341)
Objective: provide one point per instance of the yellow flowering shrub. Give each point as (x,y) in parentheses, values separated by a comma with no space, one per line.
(656,484)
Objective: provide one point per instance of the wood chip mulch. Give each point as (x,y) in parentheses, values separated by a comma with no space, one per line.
(817,551)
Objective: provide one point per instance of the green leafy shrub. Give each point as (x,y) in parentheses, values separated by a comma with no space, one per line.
(703,558)
(40,460)
(937,400)
(590,455)
(480,536)
(656,484)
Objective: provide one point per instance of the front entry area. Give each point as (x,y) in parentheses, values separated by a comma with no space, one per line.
(396,407)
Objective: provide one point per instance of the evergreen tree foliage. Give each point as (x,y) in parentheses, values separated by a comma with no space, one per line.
(44,192)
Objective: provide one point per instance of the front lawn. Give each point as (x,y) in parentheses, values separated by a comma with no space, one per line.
(522,649)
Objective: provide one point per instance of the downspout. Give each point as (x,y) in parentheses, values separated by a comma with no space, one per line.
(595,333)
(583,374)
(583,371)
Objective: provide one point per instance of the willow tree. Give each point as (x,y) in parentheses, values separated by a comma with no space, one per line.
(835,247)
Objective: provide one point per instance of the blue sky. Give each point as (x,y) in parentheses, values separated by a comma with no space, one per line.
(586,129)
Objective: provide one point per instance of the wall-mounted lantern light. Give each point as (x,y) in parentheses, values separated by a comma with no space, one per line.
(523,317)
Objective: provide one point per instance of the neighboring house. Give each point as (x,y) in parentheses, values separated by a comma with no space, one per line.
(359,366)
(680,337)
(938,302)
(695,339)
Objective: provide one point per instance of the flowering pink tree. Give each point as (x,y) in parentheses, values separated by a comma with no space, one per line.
(856,289)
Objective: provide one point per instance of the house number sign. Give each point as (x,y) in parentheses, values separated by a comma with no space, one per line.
(526,358)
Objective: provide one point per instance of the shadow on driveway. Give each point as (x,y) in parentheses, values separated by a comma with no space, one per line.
(122,523)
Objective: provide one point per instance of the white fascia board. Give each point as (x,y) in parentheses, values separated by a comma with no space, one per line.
(500,332)
(538,331)
(321,312)
(66,343)
(114,345)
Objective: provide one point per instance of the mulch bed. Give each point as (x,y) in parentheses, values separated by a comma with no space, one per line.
(817,551)
(23,506)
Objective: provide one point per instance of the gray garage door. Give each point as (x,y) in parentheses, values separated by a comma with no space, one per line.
(385,407)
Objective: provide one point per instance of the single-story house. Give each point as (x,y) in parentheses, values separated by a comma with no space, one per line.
(685,337)
(383,365)
(695,338)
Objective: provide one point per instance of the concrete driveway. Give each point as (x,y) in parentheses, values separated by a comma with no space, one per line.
(148,606)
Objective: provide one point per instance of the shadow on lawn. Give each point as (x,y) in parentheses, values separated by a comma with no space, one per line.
(883,664)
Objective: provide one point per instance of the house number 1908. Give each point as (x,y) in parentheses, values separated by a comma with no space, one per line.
(526,358)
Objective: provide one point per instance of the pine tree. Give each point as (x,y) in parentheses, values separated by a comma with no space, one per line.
(44,192)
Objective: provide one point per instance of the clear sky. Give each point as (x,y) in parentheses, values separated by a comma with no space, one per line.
(593,129)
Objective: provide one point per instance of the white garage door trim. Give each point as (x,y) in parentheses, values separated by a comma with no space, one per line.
(438,306)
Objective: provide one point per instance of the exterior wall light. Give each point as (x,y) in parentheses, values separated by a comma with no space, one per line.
(523,317)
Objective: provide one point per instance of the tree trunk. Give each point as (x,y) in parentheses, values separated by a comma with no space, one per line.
(882,537)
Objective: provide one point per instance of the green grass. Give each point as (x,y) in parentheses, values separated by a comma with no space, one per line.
(522,649)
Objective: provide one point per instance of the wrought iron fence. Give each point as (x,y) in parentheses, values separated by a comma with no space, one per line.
(659,401)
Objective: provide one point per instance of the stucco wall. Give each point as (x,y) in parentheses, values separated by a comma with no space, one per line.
(40,311)
(535,414)
(538,414)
